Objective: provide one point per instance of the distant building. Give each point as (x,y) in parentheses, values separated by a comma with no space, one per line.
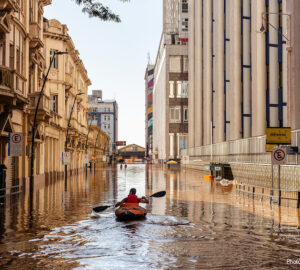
(104,114)
(170,91)
(149,82)
(132,153)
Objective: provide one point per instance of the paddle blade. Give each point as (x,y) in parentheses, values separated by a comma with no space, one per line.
(158,194)
(101,208)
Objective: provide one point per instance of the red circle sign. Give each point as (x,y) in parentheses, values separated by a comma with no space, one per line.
(279,154)
(16,138)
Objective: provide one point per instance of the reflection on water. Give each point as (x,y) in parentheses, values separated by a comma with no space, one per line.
(198,225)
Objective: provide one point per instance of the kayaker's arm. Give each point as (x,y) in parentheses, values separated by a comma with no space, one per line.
(144,200)
(120,203)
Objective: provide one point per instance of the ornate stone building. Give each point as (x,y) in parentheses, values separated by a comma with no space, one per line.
(27,42)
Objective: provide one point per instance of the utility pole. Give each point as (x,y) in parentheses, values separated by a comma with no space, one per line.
(35,121)
(67,133)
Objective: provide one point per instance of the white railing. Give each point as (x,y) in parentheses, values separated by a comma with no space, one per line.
(250,150)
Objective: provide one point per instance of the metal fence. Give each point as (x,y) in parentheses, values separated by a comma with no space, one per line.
(250,150)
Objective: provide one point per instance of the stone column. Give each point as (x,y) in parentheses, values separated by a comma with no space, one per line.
(207,71)
(198,74)
(191,93)
(258,44)
(218,75)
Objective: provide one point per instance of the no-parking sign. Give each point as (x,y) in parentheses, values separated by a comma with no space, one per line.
(279,156)
(15,144)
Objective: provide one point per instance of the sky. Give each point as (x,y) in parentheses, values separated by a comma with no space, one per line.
(116,54)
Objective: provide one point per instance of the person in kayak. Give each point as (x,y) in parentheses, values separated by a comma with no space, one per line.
(132,198)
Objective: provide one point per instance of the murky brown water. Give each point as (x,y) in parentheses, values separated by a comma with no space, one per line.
(198,225)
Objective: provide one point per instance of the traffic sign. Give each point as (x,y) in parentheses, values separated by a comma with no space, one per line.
(66,158)
(279,136)
(279,156)
(86,159)
(270,147)
(121,143)
(15,144)
(185,159)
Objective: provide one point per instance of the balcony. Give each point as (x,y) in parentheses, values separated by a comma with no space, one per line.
(8,5)
(35,36)
(68,81)
(44,107)
(12,88)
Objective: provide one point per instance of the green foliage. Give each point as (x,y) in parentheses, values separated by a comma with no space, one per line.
(96,9)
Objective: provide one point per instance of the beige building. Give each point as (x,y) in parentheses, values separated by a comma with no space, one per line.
(21,52)
(27,41)
(170,95)
(67,81)
(243,63)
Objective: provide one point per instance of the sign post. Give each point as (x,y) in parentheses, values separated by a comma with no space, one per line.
(15,144)
(279,157)
(66,158)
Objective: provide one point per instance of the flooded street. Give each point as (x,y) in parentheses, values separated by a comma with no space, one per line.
(197,225)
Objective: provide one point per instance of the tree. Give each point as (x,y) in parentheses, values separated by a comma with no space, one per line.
(96,9)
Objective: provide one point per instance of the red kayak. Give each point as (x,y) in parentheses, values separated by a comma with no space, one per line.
(130,211)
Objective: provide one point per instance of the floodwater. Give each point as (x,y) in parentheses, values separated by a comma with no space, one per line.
(197,225)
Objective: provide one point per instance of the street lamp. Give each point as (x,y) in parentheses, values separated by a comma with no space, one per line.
(35,119)
(95,150)
(87,141)
(263,18)
(67,132)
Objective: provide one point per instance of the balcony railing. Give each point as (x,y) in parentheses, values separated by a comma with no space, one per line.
(11,82)
(35,33)
(68,80)
(44,104)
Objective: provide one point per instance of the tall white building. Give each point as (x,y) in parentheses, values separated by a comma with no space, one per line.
(170,93)
(104,114)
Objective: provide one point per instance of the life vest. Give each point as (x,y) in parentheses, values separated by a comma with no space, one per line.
(132,199)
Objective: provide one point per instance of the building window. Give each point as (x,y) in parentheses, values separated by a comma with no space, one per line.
(185,24)
(185,6)
(53,103)
(108,126)
(182,89)
(175,64)
(182,140)
(171,135)
(171,95)
(185,64)
(11,56)
(185,114)
(175,114)
(55,61)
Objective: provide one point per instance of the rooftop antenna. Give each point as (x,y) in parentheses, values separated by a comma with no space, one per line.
(149,58)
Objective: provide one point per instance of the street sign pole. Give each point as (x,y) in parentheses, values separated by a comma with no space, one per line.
(279,191)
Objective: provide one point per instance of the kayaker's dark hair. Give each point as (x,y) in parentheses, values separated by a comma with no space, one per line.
(132,191)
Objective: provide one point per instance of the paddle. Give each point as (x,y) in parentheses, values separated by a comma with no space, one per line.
(104,207)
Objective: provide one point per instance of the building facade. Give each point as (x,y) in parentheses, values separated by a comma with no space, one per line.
(21,43)
(149,82)
(243,61)
(170,91)
(66,96)
(104,114)
(27,42)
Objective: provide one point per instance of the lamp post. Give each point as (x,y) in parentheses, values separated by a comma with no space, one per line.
(67,133)
(95,150)
(263,18)
(35,120)
(87,141)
